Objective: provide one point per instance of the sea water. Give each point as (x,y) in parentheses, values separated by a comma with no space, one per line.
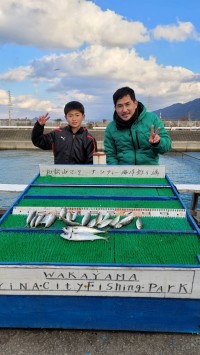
(21,166)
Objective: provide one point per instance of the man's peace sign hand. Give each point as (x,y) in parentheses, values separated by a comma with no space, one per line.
(43,119)
(154,137)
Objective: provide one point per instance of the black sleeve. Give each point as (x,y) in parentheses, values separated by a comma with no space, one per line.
(91,148)
(39,139)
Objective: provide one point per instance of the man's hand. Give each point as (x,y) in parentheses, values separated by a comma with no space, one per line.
(43,119)
(154,137)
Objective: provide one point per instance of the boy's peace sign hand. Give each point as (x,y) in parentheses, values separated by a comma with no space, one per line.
(154,137)
(43,119)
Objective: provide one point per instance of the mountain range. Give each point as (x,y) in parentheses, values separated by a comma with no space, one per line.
(190,111)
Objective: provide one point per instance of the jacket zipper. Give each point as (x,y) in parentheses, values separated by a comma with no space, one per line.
(133,147)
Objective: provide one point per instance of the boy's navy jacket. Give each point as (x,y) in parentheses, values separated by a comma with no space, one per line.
(68,148)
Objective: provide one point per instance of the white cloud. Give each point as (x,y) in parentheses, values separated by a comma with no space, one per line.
(179,32)
(66,24)
(93,74)
(16,74)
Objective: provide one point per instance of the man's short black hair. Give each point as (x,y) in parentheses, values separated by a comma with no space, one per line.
(74,105)
(123,92)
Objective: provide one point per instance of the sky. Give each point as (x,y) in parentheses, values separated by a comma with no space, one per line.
(53,52)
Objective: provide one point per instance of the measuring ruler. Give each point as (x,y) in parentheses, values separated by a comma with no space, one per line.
(139,212)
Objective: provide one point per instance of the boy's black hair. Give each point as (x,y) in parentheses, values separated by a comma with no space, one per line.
(74,105)
(123,92)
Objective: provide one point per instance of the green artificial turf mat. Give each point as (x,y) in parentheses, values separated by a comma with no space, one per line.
(97,203)
(120,249)
(149,223)
(157,249)
(100,180)
(98,191)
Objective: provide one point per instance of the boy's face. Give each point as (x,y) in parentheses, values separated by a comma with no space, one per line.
(75,118)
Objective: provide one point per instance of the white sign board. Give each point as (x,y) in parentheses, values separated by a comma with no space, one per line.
(100,281)
(136,171)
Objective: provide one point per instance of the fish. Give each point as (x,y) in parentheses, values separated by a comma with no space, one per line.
(69,215)
(83,229)
(67,230)
(62,213)
(118,225)
(115,221)
(69,222)
(32,222)
(105,223)
(86,218)
(99,218)
(30,217)
(107,215)
(82,237)
(49,220)
(127,219)
(92,222)
(39,219)
(74,215)
(139,223)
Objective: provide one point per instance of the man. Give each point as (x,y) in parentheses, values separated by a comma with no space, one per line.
(72,144)
(135,136)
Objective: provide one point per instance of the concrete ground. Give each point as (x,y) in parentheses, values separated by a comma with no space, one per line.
(73,342)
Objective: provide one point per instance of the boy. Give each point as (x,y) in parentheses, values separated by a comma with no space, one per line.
(72,144)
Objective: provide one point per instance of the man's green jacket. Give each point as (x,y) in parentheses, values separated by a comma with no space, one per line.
(131,146)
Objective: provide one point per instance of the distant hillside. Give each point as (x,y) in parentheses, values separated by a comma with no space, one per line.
(183,112)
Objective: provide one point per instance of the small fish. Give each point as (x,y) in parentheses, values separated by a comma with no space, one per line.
(39,219)
(69,222)
(83,229)
(92,222)
(62,213)
(105,223)
(30,217)
(107,215)
(32,222)
(82,237)
(99,218)
(115,221)
(49,220)
(74,215)
(127,220)
(139,223)
(118,225)
(86,219)
(69,216)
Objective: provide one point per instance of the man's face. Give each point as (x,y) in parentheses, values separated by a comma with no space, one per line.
(75,118)
(125,107)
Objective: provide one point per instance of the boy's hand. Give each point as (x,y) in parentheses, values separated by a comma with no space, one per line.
(43,119)
(154,137)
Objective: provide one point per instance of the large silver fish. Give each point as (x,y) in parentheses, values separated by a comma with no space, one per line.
(82,237)
(85,229)
(127,219)
(139,223)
